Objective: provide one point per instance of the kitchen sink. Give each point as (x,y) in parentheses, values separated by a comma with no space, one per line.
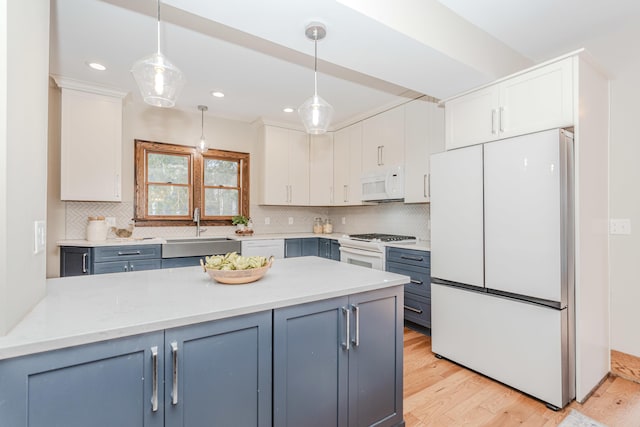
(198,246)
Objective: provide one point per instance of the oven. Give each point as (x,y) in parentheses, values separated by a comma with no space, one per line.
(368,250)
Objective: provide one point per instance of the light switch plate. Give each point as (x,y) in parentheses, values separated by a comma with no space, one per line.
(620,226)
(290,220)
(267,220)
(40,237)
(344,220)
(111,221)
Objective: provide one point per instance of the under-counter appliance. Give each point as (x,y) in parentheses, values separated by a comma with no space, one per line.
(368,250)
(264,247)
(502,256)
(385,185)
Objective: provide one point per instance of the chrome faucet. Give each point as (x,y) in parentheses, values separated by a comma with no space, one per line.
(196,219)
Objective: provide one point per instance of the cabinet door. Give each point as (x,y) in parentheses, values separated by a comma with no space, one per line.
(472,119)
(335,250)
(181,262)
(347,165)
(310,365)
(375,359)
(424,135)
(75,261)
(383,140)
(275,166)
(219,373)
(110,267)
(310,246)
(321,170)
(100,385)
(146,264)
(298,168)
(91,146)
(538,100)
(292,248)
(324,248)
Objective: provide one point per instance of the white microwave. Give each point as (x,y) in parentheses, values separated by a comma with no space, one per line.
(384,185)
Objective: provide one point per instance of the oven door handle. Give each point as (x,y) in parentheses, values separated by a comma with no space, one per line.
(354,251)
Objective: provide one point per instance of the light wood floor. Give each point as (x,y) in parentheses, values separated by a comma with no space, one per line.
(440,393)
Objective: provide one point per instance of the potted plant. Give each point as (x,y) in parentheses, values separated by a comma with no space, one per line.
(240,221)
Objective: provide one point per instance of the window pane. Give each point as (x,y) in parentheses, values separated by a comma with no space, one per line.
(168,200)
(167,168)
(220,173)
(219,202)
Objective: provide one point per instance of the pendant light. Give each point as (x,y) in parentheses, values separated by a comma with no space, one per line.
(202,144)
(315,112)
(158,79)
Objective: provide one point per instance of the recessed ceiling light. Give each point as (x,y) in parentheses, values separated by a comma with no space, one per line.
(217,94)
(288,110)
(96,66)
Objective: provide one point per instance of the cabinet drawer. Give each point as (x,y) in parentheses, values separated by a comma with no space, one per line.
(417,309)
(110,267)
(420,277)
(145,264)
(129,252)
(409,256)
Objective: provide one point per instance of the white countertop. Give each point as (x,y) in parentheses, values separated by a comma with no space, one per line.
(85,309)
(420,245)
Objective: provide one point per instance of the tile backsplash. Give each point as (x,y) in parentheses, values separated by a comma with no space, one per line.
(393,218)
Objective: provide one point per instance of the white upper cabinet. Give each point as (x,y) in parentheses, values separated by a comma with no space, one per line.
(91,143)
(347,165)
(321,169)
(536,100)
(285,167)
(383,140)
(424,135)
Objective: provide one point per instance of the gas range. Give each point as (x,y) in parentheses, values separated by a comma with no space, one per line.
(384,238)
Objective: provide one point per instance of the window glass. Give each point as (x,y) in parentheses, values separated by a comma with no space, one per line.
(168,200)
(220,202)
(220,173)
(167,168)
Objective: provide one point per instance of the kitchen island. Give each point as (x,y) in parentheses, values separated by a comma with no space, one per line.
(118,347)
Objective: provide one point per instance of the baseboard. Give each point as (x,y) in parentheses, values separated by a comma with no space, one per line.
(625,366)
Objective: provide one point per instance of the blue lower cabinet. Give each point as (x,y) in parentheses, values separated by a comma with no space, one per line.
(335,250)
(417,265)
(339,362)
(301,247)
(219,373)
(106,384)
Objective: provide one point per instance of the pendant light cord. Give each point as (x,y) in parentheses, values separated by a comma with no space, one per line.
(158,26)
(202,125)
(315,62)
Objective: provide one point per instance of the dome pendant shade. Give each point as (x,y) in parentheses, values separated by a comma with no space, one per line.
(316,115)
(159,81)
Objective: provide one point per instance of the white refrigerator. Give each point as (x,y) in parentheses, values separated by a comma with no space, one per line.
(502,262)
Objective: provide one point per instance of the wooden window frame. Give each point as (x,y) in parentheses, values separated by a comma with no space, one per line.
(196,184)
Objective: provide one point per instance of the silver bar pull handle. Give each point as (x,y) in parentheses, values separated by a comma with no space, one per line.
(131,267)
(346,342)
(429,185)
(382,155)
(379,155)
(84,262)
(501,119)
(416,282)
(356,338)
(154,378)
(126,267)
(412,258)
(493,121)
(345,192)
(415,310)
(120,253)
(174,370)
(424,185)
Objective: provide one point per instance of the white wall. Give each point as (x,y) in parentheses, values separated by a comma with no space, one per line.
(618,54)
(24,69)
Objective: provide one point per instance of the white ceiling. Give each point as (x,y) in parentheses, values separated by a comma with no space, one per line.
(256,53)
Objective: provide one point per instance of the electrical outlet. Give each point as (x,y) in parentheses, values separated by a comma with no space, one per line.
(267,220)
(40,237)
(290,220)
(110,220)
(344,220)
(620,226)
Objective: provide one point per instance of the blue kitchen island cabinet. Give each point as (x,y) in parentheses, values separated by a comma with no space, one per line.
(105,384)
(349,349)
(219,373)
(212,373)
